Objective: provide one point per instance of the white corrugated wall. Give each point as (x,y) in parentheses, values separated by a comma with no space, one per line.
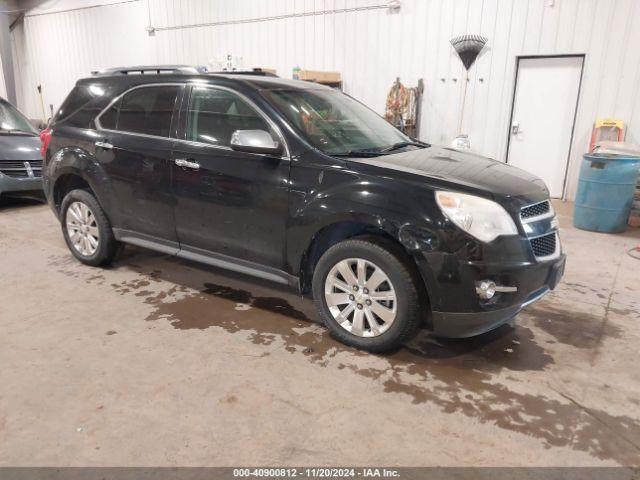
(370,47)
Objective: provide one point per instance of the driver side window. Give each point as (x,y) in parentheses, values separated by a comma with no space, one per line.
(215,114)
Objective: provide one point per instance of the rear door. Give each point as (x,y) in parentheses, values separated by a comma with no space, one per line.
(232,203)
(134,149)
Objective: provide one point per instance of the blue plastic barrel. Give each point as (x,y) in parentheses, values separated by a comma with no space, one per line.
(605,192)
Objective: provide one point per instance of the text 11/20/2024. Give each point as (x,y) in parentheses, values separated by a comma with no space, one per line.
(319,472)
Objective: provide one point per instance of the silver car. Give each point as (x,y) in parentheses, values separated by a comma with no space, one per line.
(20,157)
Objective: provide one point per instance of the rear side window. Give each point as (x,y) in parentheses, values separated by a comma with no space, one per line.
(77,98)
(81,105)
(215,114)
(146,110)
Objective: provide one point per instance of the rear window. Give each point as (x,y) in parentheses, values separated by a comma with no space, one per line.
(145,110)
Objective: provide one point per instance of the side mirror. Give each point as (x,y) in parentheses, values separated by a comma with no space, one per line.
(255,141)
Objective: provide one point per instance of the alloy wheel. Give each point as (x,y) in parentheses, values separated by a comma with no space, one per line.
(361,297)
(82,229)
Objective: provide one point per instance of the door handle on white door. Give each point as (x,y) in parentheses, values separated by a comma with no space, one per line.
(515,128)
(105,145)
(183,162)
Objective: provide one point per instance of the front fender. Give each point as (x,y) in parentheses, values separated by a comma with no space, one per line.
(338,195)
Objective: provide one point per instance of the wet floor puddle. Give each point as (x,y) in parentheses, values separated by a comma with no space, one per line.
(560,324)
(457,376)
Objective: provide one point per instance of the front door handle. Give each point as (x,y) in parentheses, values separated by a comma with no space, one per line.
(105,145)
(515,128)
(183,162)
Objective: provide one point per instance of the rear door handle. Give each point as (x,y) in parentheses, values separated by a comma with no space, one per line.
(183,162)
(105,145)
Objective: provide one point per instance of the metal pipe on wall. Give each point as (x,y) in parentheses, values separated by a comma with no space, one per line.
(391,5)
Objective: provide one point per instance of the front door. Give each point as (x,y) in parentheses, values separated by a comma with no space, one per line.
(544,111)
(134,150)
(228,203)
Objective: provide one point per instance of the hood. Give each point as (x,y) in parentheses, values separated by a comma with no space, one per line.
(445,165)
(19,147)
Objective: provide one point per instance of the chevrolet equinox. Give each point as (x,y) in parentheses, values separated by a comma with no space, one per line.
(300,184)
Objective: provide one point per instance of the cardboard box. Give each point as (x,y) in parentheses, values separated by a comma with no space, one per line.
(320,77)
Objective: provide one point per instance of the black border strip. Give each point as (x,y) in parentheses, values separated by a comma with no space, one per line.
(393,473)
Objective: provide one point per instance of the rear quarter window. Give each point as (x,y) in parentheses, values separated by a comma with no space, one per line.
(78,97)
(81,106)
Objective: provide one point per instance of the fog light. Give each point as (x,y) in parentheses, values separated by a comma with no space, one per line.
(486,289)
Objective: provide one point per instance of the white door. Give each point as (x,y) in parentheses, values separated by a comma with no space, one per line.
(544,110)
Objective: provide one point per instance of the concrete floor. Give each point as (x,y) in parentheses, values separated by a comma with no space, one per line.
(156,361)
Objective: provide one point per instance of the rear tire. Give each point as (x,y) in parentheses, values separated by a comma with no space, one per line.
(366,293)
(86,229)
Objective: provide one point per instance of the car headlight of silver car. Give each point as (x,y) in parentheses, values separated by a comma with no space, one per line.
(479,217)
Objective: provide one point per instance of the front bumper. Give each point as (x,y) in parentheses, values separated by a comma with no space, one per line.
(474,316)
(11,184)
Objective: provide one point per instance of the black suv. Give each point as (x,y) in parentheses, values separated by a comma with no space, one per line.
(300,184)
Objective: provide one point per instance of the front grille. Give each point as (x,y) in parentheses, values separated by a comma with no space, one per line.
(545,245)
(535,210)
(18,168)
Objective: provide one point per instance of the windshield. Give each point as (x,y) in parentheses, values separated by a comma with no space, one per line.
(335,123)
(11,120)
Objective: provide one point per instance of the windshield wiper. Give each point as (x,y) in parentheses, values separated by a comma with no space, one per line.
(398,145)
(357,153)
(376,152)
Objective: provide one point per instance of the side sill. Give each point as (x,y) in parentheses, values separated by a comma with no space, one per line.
(204,256)
(146,241)
(234,264)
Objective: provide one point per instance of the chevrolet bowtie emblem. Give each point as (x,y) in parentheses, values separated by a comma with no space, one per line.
(27,165)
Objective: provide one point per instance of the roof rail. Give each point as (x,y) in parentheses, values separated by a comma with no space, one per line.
(149,69)
(255,71)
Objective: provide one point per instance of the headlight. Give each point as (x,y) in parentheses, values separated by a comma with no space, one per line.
(477,216)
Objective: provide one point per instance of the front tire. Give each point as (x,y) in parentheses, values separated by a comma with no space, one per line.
(86,229)
(366,293)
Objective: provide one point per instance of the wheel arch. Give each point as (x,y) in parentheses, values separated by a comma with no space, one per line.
(342,229)
(66,182)
(73,167)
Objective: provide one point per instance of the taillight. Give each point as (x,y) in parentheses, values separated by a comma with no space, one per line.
(45,138)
